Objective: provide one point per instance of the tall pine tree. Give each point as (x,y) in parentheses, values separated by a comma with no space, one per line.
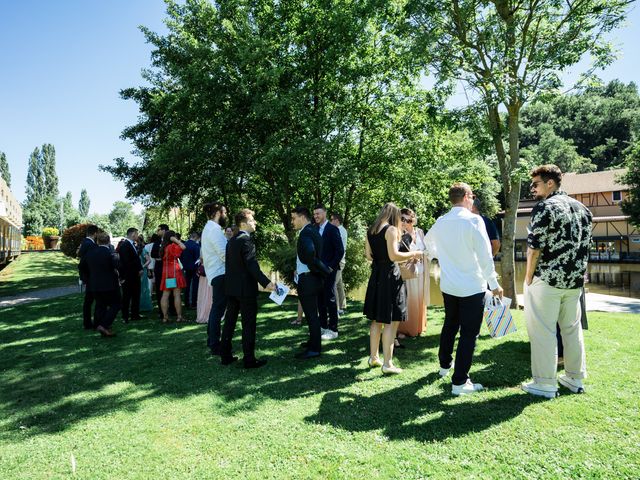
(4,169)
(83,204)
(41,208)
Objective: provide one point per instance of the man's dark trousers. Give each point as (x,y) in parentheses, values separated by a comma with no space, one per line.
(191,290)
(247,307)
(309,289)
(327,303)
(218,306)
(462,314)
(131,297)
(89,298)
(107,307)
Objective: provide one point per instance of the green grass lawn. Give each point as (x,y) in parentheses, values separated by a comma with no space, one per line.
(151,404)
(35,271)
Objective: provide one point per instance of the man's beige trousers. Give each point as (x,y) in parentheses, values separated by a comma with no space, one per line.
(544,306)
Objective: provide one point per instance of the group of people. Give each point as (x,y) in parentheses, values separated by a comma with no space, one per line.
(223,275)
(558,251)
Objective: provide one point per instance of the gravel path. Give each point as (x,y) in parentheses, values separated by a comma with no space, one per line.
(36,295)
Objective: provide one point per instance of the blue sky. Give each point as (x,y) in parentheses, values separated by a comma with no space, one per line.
(63,63)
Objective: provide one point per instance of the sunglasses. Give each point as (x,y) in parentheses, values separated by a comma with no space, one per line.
(406,220)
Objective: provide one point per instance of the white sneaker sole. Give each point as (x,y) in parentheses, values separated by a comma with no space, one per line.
(539,393)
(570,386)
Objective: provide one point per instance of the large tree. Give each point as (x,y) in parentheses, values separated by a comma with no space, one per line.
(271,104)
(509,52)
(4,169)
(585,130)
(122,217)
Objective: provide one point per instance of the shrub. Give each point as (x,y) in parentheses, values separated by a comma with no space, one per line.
(34,242)
(283,258)
(50,232)
(72,238)
(356,270)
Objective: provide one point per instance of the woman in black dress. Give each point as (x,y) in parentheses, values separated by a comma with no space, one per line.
(386,298)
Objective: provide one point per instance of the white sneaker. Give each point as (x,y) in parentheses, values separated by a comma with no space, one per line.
(466,388)
(329,335)
(573,384)
(540,389)
(445,371)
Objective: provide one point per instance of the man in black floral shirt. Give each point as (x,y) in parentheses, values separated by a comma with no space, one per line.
(558,250)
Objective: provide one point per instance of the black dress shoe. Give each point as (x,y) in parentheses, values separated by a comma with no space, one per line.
(215,351)
(137,318)
(255,363)
(307,354)
(228,360)
(304,344)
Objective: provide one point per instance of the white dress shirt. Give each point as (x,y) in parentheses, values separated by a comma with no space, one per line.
(321,227)
(460,242)
(213,249)
(343,235)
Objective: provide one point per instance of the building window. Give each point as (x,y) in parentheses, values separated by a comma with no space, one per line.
(617,196)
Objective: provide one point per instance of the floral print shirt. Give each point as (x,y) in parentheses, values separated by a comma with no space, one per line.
(561,229)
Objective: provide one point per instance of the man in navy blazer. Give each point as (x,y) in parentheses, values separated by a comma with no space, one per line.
(88,244)
(332,253)
(98,266)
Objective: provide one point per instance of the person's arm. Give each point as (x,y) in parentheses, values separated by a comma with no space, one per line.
(179,243)
(532,261)
(482,249)
(536,238)
(392,247)
(367,250)
(248,251)
(495,247)
(219,245)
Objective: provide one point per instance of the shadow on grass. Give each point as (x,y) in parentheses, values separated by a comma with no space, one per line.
(55,374)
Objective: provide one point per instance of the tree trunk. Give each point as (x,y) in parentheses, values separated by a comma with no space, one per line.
(512,199)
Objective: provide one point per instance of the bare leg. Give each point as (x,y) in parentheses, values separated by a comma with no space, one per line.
(164,305)
(374,340)
(177,302)
(388,337)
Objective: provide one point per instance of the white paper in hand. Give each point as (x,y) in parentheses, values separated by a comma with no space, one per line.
(279,294)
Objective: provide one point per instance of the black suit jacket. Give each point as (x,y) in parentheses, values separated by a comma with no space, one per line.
(332,247)
(85,247)
(242,272)
(130,264)
(309,249)
(99,267)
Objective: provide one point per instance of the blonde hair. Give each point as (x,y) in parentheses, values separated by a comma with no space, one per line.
(390,214)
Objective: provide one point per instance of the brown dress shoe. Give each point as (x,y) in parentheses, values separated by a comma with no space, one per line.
(105,332)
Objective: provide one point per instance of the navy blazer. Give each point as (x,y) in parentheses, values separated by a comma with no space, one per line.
(332,247)
(190,255)
(99,267)
(85,247)
(242,271)
(130,265)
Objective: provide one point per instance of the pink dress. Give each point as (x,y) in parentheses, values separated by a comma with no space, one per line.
(204,300)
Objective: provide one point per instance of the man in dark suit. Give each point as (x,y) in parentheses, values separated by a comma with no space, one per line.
(310,271)
(88,244)
(242,275)
(332,253)
(98,266)
(157,269)
(189,257)
(130,268)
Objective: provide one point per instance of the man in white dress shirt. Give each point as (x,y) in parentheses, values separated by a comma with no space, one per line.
(341,297)
(213,248)
(460,242)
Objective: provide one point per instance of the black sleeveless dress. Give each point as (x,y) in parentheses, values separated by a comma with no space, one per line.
(386,297)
